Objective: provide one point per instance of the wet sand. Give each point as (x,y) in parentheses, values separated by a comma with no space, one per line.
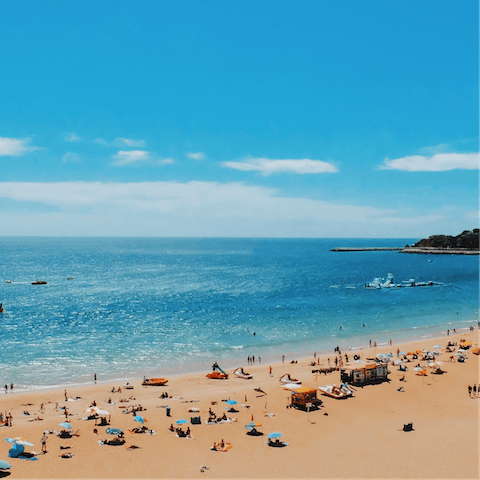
(360,437)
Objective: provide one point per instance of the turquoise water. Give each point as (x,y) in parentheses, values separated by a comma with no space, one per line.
(140,306)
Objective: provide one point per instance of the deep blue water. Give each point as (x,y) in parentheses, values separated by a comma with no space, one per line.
(155,305)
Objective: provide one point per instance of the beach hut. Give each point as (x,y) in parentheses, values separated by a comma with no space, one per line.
(366,374)
(305,398)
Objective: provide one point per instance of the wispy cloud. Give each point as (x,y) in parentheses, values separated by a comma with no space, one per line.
(129,142)
(14,147)
(441,162)
(269,166)
(72,137)
(195,155)
(127,157)
(202,209)
(440,148)
(71,157)
(121,142)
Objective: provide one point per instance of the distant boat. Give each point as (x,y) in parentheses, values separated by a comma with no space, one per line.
(390,283)
(39,282)
(8,281)
(69,278)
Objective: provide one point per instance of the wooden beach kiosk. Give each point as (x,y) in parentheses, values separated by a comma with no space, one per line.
(366,374)
(305,398)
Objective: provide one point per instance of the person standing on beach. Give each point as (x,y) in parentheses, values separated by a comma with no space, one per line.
(470,391)
(474,390)
(44,443)
(271,371)
(6,388)
(283,358)
(95,378)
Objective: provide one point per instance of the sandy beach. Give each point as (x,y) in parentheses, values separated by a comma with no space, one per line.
(360,437)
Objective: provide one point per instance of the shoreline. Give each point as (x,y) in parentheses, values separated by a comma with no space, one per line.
(299,353)
(344,439)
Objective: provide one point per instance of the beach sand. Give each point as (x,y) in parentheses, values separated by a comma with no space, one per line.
(360,437)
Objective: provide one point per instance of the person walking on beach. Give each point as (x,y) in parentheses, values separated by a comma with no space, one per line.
(44,442)
(6,388)
(95,378)
(474,390)
(283,358)
(470,391)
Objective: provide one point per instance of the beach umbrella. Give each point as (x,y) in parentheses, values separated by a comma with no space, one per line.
(418,369)
(252,424)
(139,419)
(65,425)
(231,402)
(19,441)
(16,450)
(398,362)
(180,422)
(91,410)
(102,412)
(437,346)
(4,465)
(402,353)
(459,354)
(389,355)
(114,431)
(275,435)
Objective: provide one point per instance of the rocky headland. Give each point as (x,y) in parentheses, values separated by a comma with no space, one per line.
(467,243)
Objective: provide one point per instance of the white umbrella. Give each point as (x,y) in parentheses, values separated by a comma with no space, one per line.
(398,362)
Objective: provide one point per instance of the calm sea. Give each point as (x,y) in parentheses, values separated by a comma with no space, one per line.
(127,307)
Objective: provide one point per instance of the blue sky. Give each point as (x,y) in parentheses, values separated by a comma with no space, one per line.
(256,119)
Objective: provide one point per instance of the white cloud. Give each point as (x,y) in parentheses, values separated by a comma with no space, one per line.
(71,157)
(124,157)
(72,137)
(129,142)
(14,147)
(102,142)
(267,166)
(196,155)
(440,162)
(165,161)
(202,209)
(441,148)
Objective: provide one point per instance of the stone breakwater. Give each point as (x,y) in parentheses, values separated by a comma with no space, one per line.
(364,249)
(439,251)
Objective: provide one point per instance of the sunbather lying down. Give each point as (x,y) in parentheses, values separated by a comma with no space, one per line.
(221,447)
(115,441)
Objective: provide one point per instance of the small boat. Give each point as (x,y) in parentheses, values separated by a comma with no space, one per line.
(155,381)
(288,379)
(39,282)
(217,375)
(241,374)
(8,281)
(336,392)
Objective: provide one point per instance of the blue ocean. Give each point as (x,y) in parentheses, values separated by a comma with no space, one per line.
(128,307)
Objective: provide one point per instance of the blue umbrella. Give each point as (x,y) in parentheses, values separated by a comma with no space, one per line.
(65,425)
(389,355)
(4,465)
(437,346)
(139,419)
(275,435)
(16,450)
(114,431)
(231,402)
(402,353)
(180,422)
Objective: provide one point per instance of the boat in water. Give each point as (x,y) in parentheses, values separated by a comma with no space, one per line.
(39,282)
(378,283)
